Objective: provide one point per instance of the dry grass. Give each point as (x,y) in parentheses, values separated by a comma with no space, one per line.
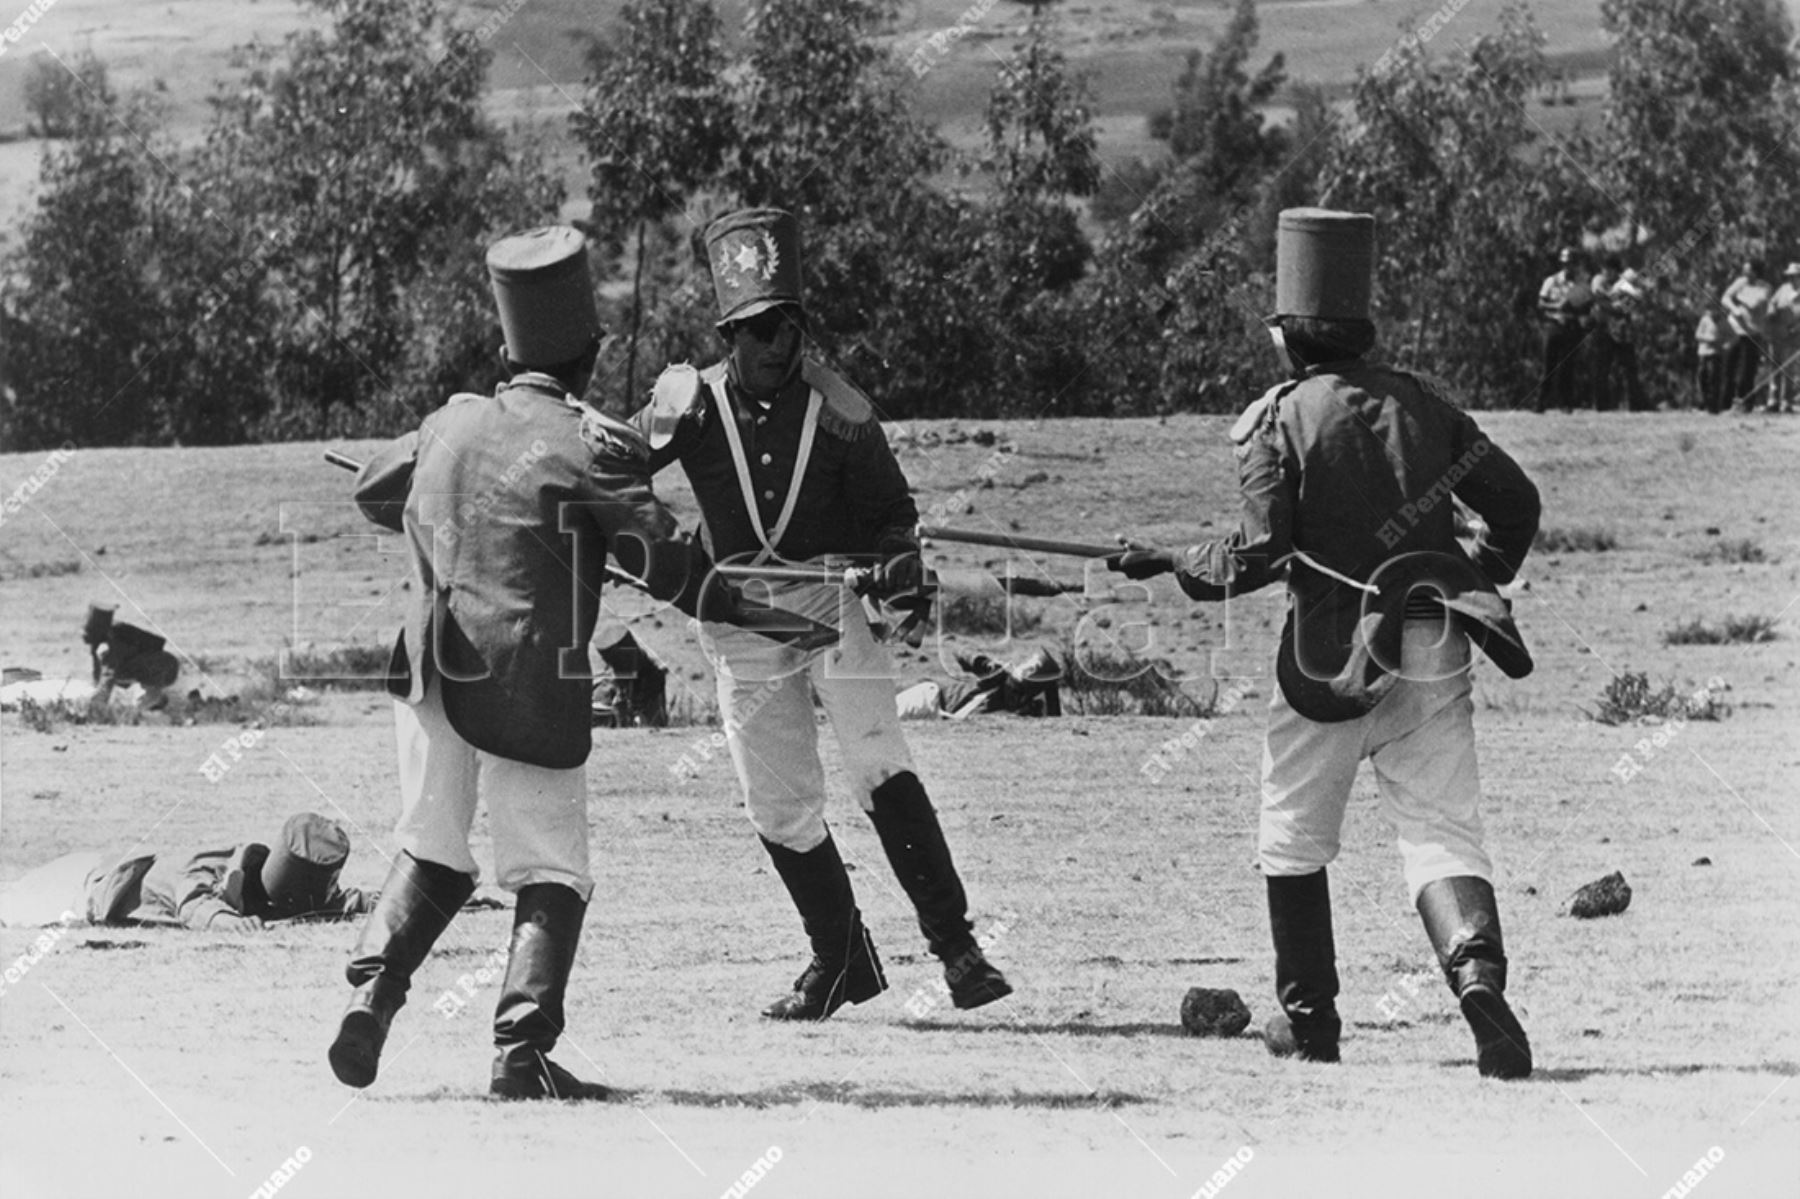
(1657,1036)
(1733,630)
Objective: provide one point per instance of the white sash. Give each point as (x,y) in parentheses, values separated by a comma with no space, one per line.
(769,537)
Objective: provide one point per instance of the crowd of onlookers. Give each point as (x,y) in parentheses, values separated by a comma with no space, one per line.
(1747,342)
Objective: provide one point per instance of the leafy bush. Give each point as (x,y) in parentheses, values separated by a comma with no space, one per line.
(1629,698)
(1108,682)
(1733,550)
(1733,630)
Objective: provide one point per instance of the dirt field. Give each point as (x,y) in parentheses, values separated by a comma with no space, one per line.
(159,1062)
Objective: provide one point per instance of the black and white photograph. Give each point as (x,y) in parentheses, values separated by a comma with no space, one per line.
(1109,599)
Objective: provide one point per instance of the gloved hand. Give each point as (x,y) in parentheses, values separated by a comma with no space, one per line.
(1141,561)
(899,574)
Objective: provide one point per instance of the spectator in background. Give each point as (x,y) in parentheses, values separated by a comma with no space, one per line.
(1746,303)
(1566,303)
(1618,296)
(1784,341)
(1712,344)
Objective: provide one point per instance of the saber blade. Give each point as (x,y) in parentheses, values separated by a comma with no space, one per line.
(1040,545)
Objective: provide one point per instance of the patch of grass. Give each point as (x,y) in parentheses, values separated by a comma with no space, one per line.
(45,570)
(345,668)
(1629,698)
(1732,550)
(986,616)
(1578,540)
(1104,682)
(1733,630)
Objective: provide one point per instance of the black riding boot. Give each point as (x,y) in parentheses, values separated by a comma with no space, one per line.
(529,1017)
(1306,981)
(416,905)
(844,967)
(914,842)
(1463,922)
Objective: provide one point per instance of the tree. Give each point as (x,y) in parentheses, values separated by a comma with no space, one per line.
(1448,160)
(78,314)
(56,92)
(348,166)
(1699,116)
(655,124)
(1216,124)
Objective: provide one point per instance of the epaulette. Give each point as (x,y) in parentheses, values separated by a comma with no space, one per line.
(1261,409)
(846,413)
(1431,385)
(611,438)
(675,396)
(463,397)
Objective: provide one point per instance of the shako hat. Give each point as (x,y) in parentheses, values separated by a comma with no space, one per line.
(754,255)
(300,870)
(544,295)
(1324,264)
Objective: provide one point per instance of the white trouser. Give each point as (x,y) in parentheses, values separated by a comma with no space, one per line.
(1421,739)
(766,692)
(538,815)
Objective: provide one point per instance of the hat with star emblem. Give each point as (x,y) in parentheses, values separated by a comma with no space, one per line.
(544,295)
(755,259)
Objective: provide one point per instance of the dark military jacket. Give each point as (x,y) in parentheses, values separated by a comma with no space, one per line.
(853,500)
(511,504)
(1347,477)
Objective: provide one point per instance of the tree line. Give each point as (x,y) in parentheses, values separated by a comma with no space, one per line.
(311,266)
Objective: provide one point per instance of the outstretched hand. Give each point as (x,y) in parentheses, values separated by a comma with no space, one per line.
(1137,561)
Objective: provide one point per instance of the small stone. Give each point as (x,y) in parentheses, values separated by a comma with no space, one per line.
(1209,1013)
(1603,897)
(1702,861)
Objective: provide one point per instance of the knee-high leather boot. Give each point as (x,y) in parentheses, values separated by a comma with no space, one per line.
(1306,981)
(1462,919)
(914,843)
(529,1017)
(416,905)
(844,967)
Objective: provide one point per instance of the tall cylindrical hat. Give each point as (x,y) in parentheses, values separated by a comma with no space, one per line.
(303,865)
(1324,264)
(98,626)
(544,295)
(755,259)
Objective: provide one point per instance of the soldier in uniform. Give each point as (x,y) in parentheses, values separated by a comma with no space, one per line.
(1566,303)
(789,465)
(226,888)
(123,654)
(510,505)
(1347,473)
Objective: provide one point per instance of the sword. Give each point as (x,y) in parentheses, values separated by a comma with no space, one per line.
(1009,541)
(913,606)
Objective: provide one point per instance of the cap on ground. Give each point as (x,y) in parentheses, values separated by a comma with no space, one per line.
(303,865)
